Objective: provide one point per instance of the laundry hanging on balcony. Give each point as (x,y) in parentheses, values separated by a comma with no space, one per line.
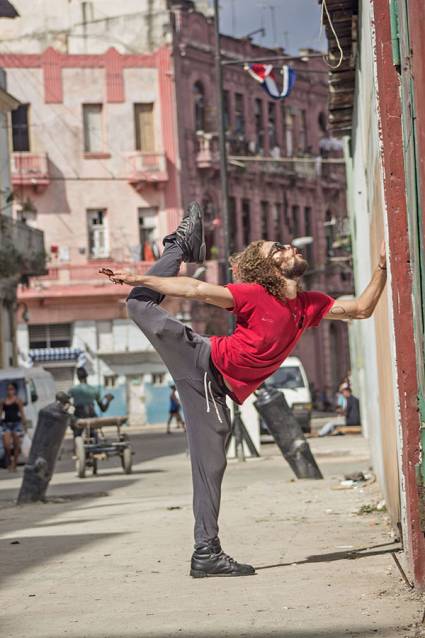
(265,75)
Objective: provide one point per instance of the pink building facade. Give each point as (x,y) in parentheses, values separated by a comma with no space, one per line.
(109,148)
(95,166)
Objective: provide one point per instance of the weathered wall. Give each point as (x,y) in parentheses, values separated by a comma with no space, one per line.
(371,339)
(400,188)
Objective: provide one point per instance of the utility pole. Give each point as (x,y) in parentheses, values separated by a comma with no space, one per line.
(222,145)
(239,432)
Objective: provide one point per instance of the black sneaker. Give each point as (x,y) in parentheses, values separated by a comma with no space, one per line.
(190,236)
(210,560)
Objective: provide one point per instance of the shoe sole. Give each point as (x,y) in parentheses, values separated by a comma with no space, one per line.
(198,573)
(203,247)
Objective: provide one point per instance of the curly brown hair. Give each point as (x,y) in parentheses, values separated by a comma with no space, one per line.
(250,266)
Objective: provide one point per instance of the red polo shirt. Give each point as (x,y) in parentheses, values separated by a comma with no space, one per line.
(267,330)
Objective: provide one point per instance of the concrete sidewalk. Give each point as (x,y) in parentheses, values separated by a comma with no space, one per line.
(110,558)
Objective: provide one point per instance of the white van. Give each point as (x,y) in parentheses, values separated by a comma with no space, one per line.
(36,388)
(291,379)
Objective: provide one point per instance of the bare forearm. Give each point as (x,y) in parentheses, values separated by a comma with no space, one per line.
(186,287)
(370,296)
(363,306)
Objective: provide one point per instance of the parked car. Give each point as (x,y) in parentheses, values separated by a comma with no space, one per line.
(36,388)
(291,379)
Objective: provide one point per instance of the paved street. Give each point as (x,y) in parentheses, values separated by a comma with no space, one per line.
(108,556)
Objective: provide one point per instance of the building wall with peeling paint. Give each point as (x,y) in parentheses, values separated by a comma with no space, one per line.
(371,340)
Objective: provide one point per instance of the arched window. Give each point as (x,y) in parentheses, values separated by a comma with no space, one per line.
(210,226)
(329,233)
(199,106)
(322,121)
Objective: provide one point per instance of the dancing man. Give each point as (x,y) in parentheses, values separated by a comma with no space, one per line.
(271,314)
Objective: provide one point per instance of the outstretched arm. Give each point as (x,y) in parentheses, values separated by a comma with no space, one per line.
(184,287)
(362,307)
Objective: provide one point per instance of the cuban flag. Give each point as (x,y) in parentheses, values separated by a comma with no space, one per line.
(265,75)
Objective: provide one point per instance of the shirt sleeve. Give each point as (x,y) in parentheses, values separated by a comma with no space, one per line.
(318,306)
(243,295)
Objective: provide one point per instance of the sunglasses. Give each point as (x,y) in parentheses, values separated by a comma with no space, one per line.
(277,246)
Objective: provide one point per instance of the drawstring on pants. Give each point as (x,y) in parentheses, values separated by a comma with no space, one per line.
(207,387)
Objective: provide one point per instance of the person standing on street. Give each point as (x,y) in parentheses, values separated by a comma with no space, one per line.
(85,397)
(271,314)
(12,425)
(174,410)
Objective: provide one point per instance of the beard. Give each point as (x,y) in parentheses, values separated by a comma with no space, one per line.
(297,269)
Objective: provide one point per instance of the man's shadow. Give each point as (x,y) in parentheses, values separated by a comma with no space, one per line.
(349,554)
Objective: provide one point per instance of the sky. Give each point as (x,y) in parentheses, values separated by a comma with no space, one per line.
(292,24)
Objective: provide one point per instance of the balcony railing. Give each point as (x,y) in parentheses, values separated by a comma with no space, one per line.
(30,169)
(147,167)
(207,155)
(21,249)
(88,273)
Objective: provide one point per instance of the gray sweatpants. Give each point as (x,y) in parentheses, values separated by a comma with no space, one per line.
(202,392)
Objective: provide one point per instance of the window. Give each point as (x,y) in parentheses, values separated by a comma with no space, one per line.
(295,225)
(199,106)
(20,129)
(271,122)
(226,105)
(277,223)
(289,132)
(308,232)
(303,140)
(105,341)
(288,377)
(209,217)
(144,127)
(54,335)
(246,221)
(93,133)
(232,224)
(264,220)
(259,124)
(97,234)
(110,380)
(148,223)
(322,121)
(239,114)
(329,233)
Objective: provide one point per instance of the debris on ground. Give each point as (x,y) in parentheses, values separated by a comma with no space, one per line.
(355,480)
(370,508)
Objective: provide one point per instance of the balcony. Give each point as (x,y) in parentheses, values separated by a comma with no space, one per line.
(207,155)
(30,169)
(21,249)
(146,168)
